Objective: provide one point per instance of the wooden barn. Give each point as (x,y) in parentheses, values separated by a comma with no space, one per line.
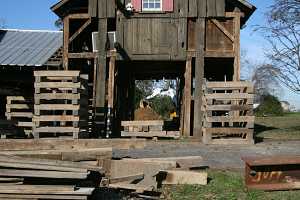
(21,53)
(195,41)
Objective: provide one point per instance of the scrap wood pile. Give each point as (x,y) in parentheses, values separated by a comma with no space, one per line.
(145,176)
(28,178)
(65,169)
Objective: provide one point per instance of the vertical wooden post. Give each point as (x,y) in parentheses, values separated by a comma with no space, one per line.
(66,43)
(187,96)
(101,70)
(199,74)
(237,53)
(101,79)
(111,79)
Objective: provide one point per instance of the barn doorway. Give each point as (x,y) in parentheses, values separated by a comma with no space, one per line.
(149,92)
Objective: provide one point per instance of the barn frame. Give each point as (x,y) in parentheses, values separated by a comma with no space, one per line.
(192,40)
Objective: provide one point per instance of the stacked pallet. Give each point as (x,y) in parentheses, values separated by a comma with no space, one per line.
(28,178)
(60,101)
(228,113)
(147,129)
(20,110)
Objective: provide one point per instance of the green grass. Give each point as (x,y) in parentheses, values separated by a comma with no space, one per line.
(283,127)
(224,186)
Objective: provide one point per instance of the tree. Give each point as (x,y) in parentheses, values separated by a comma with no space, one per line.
(264,82)
(270,106)
(59,24)
(283,35)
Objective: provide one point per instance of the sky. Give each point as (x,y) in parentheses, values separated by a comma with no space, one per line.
(36,14)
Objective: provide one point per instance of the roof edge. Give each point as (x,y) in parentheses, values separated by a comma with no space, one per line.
(28,30)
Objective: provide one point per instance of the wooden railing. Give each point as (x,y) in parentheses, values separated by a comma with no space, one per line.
(228,113)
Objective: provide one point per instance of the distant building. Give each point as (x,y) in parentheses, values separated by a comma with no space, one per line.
(286,106)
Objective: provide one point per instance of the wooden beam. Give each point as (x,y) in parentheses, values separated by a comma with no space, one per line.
(85,55)
(79,16)
(101,69)
(66,43)
(219,54)
(199,75)
(223,29)
(85,25)
(111,79)
(187,97)
(237,62)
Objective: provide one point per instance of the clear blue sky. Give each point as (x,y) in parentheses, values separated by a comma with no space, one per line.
(36,14)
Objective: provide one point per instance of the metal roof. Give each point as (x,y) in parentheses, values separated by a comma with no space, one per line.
(28,47)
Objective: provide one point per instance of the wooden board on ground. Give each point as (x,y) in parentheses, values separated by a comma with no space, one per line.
(128,167)
(69,144)
(184,162)
(175,177)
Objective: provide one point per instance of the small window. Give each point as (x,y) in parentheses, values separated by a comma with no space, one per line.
(152,5)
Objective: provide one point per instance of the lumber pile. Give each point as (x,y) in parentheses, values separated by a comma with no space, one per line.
(19,109)
(30,178)
(60,103)
(149,174)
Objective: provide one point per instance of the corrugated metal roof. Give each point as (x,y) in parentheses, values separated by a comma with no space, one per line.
(28,47)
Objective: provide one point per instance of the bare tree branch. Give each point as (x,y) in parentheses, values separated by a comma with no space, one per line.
(282,32)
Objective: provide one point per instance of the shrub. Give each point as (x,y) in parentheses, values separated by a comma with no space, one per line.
(270,106)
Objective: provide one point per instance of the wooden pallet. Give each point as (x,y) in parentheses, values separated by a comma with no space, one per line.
(20,110)
(228,113)
(60,103)
(147,129)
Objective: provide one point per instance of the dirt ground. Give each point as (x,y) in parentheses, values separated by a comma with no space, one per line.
(215,156)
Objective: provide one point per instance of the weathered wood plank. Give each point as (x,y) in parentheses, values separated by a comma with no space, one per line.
(56,107)
(228,107)
(175,177)
(220,8)
(230,119)
(67,144)
(229,96)
(143,123)
(58,96)
(33,197)
(56,129)
(19,114)
(48,190)
(61,85)
(202,5)
(211,8)
(163,134)
(199,75)
(42,174)
(193,8)
(51,118)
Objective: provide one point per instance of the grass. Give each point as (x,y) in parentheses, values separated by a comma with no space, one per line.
(283,127)
(224,186)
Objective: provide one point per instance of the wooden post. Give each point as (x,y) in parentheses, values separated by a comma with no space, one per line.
(101,79)
(66,43)
(199,74)
(111,79)
(237,53)
(187,97)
